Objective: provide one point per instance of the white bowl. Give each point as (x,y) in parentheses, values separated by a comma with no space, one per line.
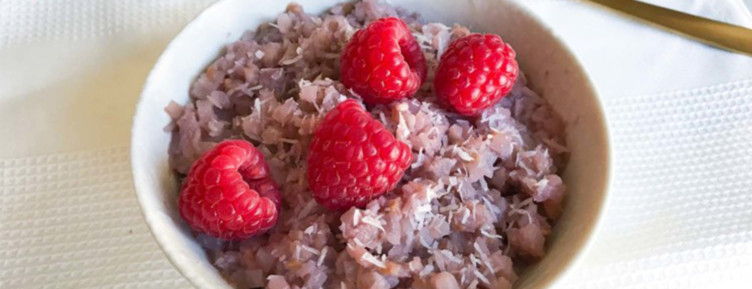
(548,64)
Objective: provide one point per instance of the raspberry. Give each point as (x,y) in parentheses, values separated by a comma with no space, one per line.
(475,72)
(229,194)
(353,158)
(383,62)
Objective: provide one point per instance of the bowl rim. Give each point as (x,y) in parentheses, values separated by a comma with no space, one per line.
(193,276)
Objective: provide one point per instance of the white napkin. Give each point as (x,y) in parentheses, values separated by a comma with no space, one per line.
(680,214)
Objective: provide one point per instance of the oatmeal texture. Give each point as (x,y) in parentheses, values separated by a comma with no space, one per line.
(473,209)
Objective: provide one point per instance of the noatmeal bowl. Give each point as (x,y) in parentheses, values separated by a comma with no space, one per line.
(551,69)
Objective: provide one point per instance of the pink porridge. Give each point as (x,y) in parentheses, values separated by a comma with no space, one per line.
(473,208)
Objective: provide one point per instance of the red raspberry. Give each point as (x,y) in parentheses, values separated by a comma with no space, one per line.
(353,158)
(229,194)
(383,62)
(475,72)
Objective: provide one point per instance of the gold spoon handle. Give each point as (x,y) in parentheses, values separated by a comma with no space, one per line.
(719,34)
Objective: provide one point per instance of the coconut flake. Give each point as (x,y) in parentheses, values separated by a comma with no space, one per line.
(356,217)
(451,256)
(426,270)
(322,256)
(477,248)
(474,260)
(466,216)
(373,260)
(491,235)
(311,250)
(373,222)
(464,155)
(297,252)
(481,277)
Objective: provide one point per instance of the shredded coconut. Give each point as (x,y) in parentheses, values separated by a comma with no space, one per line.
(373,260)
(311,250)
(373,222)
(322,256)
(481,277)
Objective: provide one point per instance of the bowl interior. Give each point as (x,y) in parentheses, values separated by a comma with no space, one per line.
(550,67)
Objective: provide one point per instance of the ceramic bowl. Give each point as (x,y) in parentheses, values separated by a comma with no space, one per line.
(550,67)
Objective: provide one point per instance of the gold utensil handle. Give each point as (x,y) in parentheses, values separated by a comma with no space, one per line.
(723,35)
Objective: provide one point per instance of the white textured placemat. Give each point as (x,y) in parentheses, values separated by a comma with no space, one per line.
(71,221)
(681,207)
(70,72)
